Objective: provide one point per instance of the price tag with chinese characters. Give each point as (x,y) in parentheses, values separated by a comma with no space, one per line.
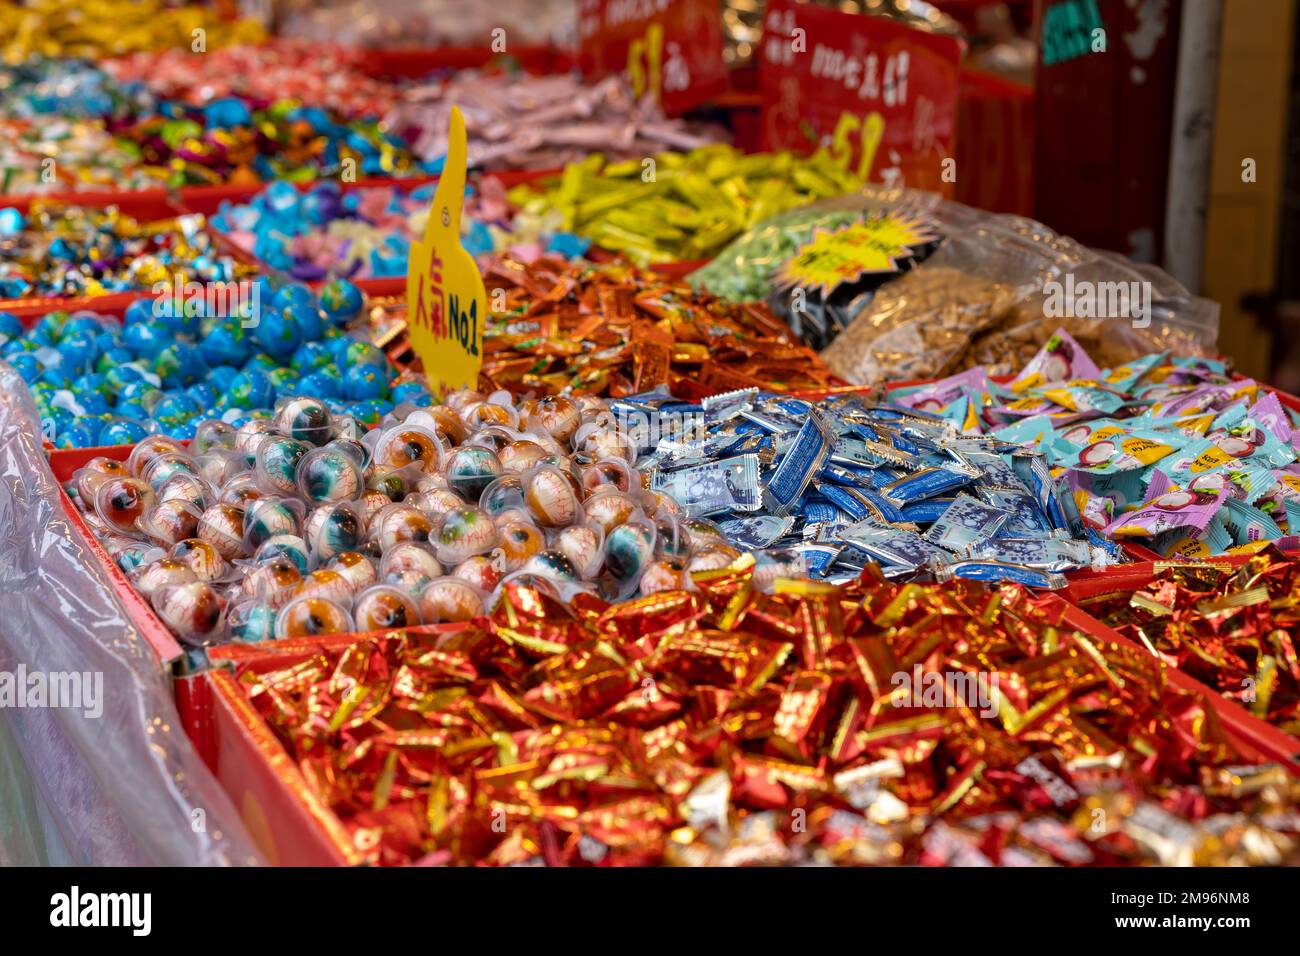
(878,96)
(445,299)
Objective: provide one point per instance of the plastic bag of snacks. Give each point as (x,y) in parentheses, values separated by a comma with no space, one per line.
(991,292)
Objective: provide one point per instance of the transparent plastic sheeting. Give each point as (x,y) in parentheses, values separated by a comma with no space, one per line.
(125,787)
(981,298)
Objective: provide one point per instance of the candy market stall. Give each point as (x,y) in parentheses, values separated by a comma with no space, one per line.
(439,457)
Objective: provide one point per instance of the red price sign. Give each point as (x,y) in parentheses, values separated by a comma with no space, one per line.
(880,97)
(671,49)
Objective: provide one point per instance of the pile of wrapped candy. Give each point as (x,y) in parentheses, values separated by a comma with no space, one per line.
(1172,452)
(725,726)
(1233,628)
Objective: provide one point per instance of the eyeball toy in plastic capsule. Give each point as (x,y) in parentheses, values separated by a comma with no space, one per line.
(560,416)
(481,571)
(189,488)
(222,526)
(607,473)
(410,556)
(406,444)
(306,419)
(461,398)
(169,522)
(382,607)
(276,469)
(162,573)
(131,553)
(480,414)
(94,473)
(520,455)
(661,575)
(273,583)
(609,509)
(284,547)
(470,469)
(202,558)
(398,523)
(629,548)
(394,483)
(149,449)
(552,564)
(373,502)
(251,434)
(581,544)
(592,443)
(503,496)
(434,503)
(550,496)
(241,491)
(333,529)
(324,583)
(520,540)
(673,540)
(356,568)
(329,474)
(712,557)
(410,581)
(311,617)
(192,610)
(661,503)
(464,532)
(251,622)
(167,465)
(446,424)
(449,599)
(701,532)
(268,517)
(212,433)
(220,465)
(122,502)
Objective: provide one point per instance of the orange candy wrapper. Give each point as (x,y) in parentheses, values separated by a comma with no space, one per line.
(613,329)
(1232,628)
(871,724)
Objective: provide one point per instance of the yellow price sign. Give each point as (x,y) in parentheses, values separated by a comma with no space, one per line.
(445,300)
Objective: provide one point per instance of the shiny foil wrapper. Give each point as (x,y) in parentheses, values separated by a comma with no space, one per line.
(613,329)
(868,724)
(1234,628)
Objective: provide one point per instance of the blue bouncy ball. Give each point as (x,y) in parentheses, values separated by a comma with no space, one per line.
(120,376)
(137,390)
(138,311)
(358,352)
(261,361)
(182,317)
(48,329)
(226,342)
(203,393)
(146,338)
(341,300)
(133,410)
(307,318)
(284,379)
(320,385)
(77,435)
(220,377)
(363,412)
(176,409)
(277,333)
(92,403)
(112,357)
(122,431)
(92,383)
(309,357)
(57,376)
(409,390)
(184,431)
(336,405)
(11,327)
(363,382)
(293,293)
(180,364)
(27,366)
(249,389)
(82,322)
(79,349)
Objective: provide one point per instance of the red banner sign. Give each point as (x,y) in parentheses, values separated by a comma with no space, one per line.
(880,97)
(671,49)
